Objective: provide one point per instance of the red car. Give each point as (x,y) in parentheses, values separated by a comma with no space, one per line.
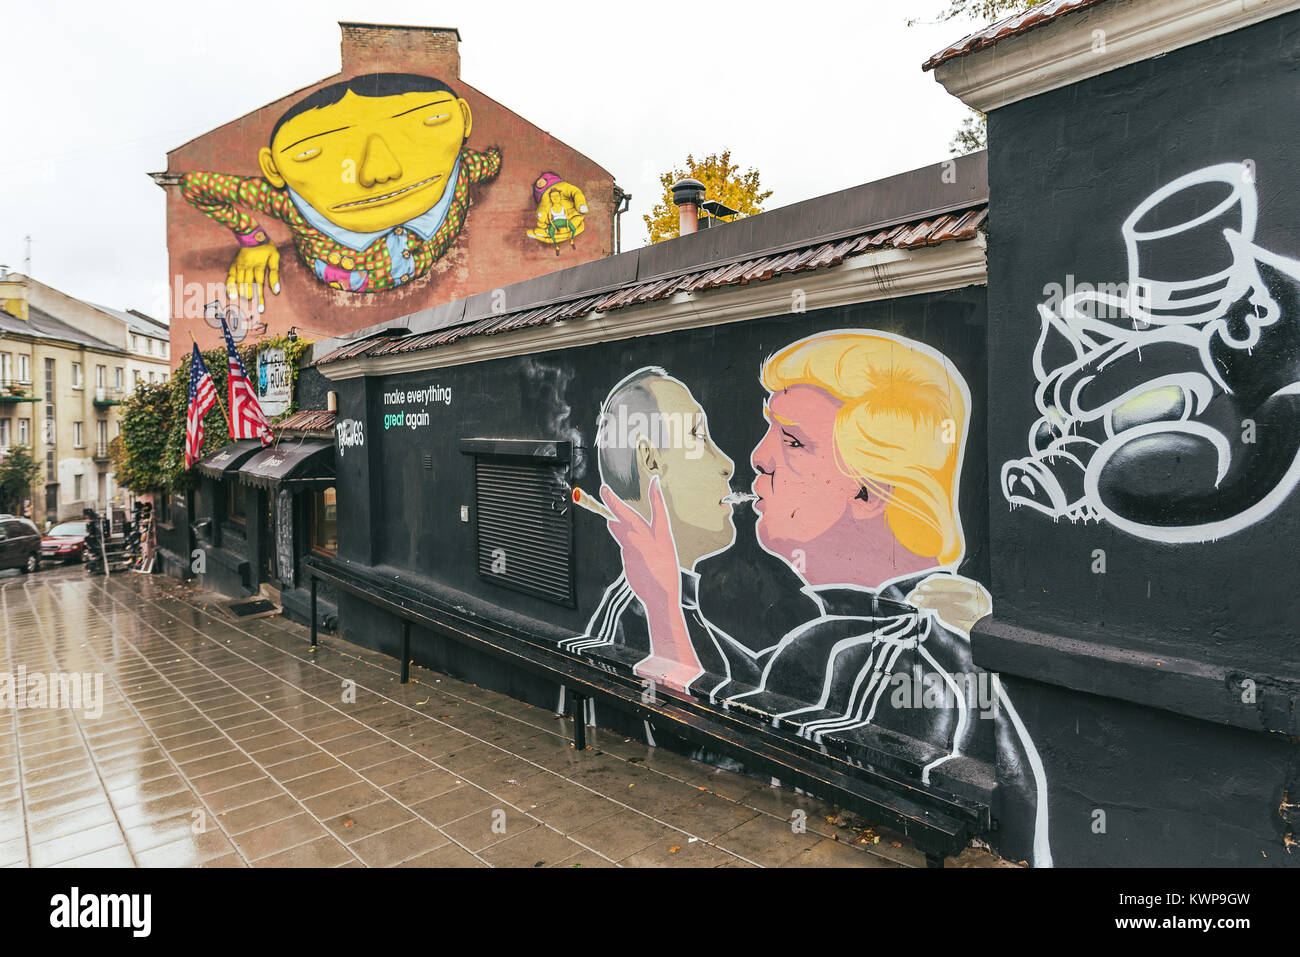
(65,542)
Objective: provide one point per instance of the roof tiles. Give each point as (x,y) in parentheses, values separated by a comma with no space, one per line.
(962,224)
(1022,22)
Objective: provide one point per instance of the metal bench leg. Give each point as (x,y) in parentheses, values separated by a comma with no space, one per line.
(313,611)
(579,722)
(406,652)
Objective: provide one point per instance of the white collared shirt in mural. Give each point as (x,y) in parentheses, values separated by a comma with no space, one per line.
(869,672)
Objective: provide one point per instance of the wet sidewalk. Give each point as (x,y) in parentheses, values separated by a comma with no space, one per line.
(226,743)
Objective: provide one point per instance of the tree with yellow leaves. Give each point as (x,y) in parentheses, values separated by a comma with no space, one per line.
(723,181)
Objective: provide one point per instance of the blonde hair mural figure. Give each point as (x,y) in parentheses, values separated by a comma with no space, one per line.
(899,432)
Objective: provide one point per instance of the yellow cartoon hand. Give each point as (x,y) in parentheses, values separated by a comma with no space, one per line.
(254,265)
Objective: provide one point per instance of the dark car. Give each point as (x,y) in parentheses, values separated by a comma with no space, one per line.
(20,544)
(65,542)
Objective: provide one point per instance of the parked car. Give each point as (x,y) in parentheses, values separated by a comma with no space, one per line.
(20,544)
(65,542)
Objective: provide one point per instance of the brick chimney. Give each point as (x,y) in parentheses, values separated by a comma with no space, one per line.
(387,48)
(13,293)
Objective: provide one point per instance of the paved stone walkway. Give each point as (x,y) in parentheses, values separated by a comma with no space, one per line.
(226,743)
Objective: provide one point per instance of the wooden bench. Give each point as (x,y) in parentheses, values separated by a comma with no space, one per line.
(940,824)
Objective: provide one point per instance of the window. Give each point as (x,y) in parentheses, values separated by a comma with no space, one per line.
(50,474)
(151,376)
(235,505)
(118,377)
(24,369)
(76,375)
(4,433)
(77,437)
(324,523)
(138,377)
(525,534)
(6,370)
(101,438)
(50,433)
(135,343)
(76,486)
(25,432)
(101,377)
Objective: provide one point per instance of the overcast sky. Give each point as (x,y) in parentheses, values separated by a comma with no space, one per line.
(818,95)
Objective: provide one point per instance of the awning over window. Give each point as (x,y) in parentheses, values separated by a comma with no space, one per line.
(308,463)
(228,458)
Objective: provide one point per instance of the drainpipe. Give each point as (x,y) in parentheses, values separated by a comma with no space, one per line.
(622,201)
(687,196)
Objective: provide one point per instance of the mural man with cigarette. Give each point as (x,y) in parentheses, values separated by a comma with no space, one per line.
(658,462)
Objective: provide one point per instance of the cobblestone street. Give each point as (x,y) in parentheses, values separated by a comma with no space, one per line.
(227,743)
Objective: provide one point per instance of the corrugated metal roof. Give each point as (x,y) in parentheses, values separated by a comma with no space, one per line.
(1022,22)
(307,420)
(958,225)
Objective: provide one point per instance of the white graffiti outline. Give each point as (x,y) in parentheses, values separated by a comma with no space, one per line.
(1190,313)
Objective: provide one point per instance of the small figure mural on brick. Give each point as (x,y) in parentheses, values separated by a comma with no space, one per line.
(372,176)
(561,208)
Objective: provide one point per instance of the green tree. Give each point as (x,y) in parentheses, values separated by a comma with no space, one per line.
(973,134)
(18,471)
(151,454)
(723,181)
(139,453)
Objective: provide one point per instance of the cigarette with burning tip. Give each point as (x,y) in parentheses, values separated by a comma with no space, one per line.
(591,504)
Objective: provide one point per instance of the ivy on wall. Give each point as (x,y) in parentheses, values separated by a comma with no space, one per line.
(150,453)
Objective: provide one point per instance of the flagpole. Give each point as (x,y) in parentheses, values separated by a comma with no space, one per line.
(215,391)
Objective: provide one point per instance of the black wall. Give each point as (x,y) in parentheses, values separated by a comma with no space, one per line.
(414,524)
(1198,638)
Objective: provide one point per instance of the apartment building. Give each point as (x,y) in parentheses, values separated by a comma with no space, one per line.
(65,367)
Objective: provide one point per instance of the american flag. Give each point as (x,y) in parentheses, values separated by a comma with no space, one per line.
(247,420)
(203,396)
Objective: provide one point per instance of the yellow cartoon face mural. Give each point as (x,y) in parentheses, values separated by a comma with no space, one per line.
(561,208)
(372,177)
(370,163)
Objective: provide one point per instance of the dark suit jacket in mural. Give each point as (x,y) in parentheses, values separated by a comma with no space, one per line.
(871,670)
(618,629)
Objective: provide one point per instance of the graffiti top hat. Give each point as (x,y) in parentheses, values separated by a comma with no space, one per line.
(1188,246)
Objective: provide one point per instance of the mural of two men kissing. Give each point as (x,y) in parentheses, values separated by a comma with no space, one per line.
(856,488)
